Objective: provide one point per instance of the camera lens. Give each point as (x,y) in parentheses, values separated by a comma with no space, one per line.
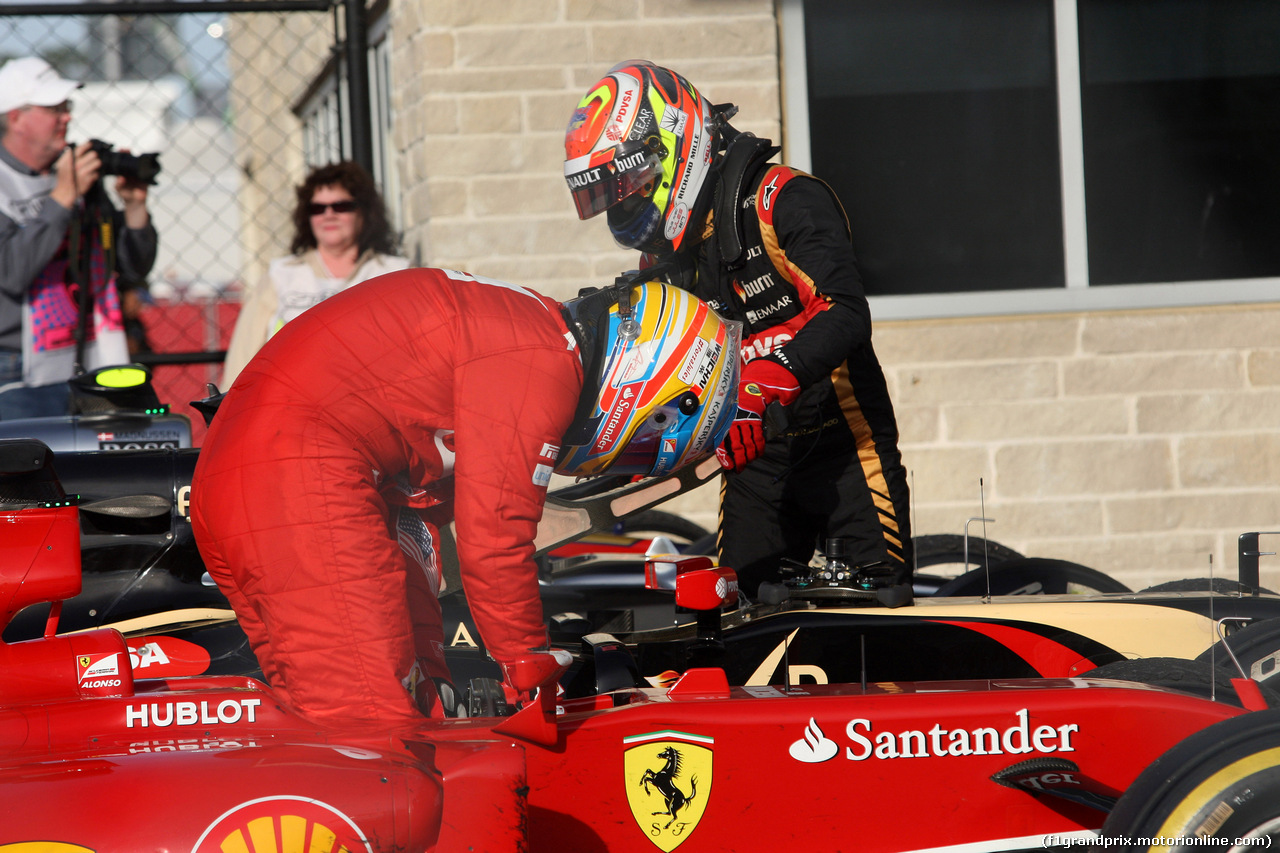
(142,167)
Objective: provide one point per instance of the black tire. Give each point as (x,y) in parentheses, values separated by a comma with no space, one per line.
(666,523)
(1222,782)
(1032,576)
(1188,676)
(1256,646)
(939,549)
(1225,586)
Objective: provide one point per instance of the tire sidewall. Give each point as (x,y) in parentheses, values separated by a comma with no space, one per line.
(1017,574)
(1222,782)
(1256,646)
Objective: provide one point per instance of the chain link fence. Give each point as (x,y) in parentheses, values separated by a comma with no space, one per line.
(223,96)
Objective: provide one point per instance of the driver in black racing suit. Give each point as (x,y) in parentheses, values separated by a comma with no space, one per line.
(770,246)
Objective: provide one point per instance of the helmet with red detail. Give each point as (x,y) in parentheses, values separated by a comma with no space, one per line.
(640,146)
(660,380)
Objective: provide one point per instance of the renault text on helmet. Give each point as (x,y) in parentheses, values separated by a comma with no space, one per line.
(661,381)
(640,146)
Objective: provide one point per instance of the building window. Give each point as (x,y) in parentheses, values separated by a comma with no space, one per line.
(937,123)
(1181,115)
(385,172)
(1024,155)
(324,138)
(326,125)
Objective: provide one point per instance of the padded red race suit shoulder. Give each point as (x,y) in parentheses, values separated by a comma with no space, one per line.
(457,386)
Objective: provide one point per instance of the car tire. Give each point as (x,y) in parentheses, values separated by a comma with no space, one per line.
(1032,575)
(939,549)
(1222,782)
(679,528)
(1196,677)
(1256,646)
(1224,586)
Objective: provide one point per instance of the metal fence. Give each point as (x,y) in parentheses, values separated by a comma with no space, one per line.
(237,99)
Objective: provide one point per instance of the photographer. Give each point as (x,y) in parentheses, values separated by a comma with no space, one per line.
(54,214)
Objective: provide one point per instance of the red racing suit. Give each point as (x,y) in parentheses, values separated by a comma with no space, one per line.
(458,387)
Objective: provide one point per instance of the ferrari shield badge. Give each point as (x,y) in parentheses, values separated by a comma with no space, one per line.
(668,782)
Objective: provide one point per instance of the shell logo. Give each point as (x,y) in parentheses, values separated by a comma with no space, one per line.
(283,825)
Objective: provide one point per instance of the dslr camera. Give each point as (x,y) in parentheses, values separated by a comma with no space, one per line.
(142,168)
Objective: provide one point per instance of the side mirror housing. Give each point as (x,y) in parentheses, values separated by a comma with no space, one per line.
(707,589)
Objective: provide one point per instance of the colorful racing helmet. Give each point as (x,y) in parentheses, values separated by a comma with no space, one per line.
(660,381)
(640,145)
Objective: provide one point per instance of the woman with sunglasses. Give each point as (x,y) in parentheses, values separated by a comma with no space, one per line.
(341,237)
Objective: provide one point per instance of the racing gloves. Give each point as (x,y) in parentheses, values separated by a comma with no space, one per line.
(524,676)
(764,381)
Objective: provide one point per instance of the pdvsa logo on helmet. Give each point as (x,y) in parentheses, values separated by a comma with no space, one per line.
(626,98)
(936,742)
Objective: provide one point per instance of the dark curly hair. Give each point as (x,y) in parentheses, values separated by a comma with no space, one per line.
(375,232)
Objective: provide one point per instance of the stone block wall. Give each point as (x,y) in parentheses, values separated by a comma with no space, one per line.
(1141,443)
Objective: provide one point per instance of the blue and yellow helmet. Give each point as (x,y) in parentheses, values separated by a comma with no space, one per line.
(660,381)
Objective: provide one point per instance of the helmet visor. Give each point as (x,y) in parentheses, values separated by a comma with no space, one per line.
(596,188)
(640,456)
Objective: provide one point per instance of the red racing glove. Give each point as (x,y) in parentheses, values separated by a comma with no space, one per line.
(764,381)
(523,677)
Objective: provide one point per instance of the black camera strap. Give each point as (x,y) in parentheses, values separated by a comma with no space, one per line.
(93,214)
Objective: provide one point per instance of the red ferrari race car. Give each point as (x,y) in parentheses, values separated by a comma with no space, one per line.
(93,758)
(143,575)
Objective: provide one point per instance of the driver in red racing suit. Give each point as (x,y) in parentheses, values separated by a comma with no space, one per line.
(428,389)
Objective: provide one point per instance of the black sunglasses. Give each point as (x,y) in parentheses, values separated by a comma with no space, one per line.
(316,209)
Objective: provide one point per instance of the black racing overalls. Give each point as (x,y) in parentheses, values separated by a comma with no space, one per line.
(836,470)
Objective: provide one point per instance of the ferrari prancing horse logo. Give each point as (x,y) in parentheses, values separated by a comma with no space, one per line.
(668,782)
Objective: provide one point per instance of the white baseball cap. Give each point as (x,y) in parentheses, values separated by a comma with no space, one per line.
(30,80)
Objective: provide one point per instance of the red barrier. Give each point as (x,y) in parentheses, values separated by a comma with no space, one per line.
(184,327)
